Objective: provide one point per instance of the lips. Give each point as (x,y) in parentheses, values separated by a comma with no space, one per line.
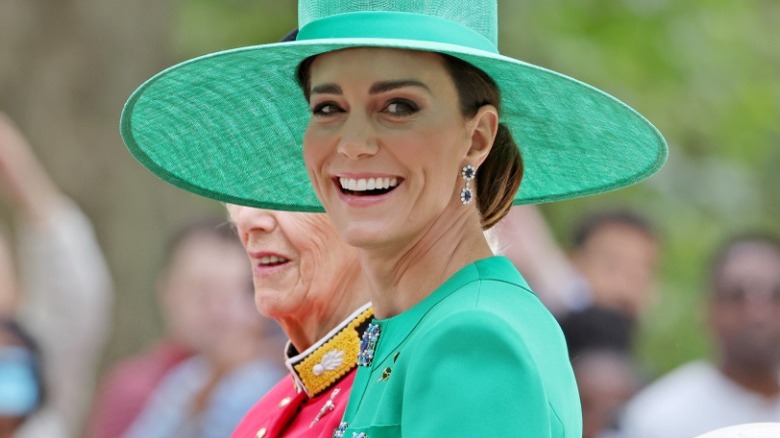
(271,260)
(267,262)
(372,186)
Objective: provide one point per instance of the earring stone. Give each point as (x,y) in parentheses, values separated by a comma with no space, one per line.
(468,173)
(466,196)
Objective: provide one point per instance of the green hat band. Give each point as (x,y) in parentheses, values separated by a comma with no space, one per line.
(395,25)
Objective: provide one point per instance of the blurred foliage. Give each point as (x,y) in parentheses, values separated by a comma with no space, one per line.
(705,72)
(204,26)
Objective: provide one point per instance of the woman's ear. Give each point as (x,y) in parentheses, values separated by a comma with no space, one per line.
(483,126)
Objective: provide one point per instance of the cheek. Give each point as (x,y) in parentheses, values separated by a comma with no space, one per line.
(309,150)
(314,147)
(434,154)
(311,236)
(314,156)
(313,270)
(442,175)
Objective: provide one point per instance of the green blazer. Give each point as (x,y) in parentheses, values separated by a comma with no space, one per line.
(480,356)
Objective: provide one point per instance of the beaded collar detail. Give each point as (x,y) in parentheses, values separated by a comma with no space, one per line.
(332,357)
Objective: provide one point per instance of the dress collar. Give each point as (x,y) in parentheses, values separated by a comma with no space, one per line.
(323,364)
(395,329)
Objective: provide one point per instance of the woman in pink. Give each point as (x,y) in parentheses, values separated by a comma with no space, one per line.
(310,282)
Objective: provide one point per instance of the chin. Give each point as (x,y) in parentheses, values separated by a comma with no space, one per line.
(365,237)
(270,306)
(361,240)
(264,310)
(372,229)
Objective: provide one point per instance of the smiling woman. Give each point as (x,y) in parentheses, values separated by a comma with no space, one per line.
(409,104)
(398,113)
(410,110)
(309,282)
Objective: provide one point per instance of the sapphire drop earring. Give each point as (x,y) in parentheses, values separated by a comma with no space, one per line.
(468,173)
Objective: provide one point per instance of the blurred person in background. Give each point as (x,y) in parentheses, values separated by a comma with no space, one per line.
(597,328)
(206,295)
(599,342)
(309,281)
(613,261)
(598,292)
(56,317)
(741,385)
(606,379)
(617,252)
(130,382)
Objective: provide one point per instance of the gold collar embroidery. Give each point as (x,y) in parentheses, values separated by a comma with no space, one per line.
(332,357)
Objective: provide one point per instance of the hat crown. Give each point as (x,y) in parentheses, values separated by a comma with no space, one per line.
(479,15)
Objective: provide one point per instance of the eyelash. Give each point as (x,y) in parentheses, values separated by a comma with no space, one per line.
(318,109)
(411,107)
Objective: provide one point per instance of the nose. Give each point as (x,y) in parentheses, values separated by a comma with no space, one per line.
(357,138)
(249,219)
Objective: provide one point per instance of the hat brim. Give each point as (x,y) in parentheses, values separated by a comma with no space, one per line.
(229,126)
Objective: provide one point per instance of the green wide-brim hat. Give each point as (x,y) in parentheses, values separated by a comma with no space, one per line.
(229,125)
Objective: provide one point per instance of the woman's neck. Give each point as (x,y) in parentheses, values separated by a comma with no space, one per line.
(401,276)
(310,324)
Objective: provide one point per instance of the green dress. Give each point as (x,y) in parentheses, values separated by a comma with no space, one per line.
(480,356)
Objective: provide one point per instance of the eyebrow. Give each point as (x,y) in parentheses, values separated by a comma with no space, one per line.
(326,89)
(381,87)
(376,88)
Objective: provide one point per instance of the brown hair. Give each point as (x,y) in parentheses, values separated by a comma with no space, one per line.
(591,224)
(499,176)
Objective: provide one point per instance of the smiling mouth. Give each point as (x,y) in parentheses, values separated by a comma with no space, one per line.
(271,260)
(367,186)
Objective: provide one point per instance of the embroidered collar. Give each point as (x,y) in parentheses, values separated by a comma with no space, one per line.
(323,364)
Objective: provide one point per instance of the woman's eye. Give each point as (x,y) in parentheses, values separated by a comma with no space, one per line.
(401,108)
(325,109)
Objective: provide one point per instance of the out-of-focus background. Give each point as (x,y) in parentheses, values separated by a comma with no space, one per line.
(706,73)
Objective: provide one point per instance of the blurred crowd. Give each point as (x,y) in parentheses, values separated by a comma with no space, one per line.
(217,356)
(602,291)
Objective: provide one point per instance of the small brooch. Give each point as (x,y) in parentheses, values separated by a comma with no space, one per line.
(367,345)
(387,371)
(341,430)
(385,374)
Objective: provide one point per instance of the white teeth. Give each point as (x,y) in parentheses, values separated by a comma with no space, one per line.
(363,184)
(271,260)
